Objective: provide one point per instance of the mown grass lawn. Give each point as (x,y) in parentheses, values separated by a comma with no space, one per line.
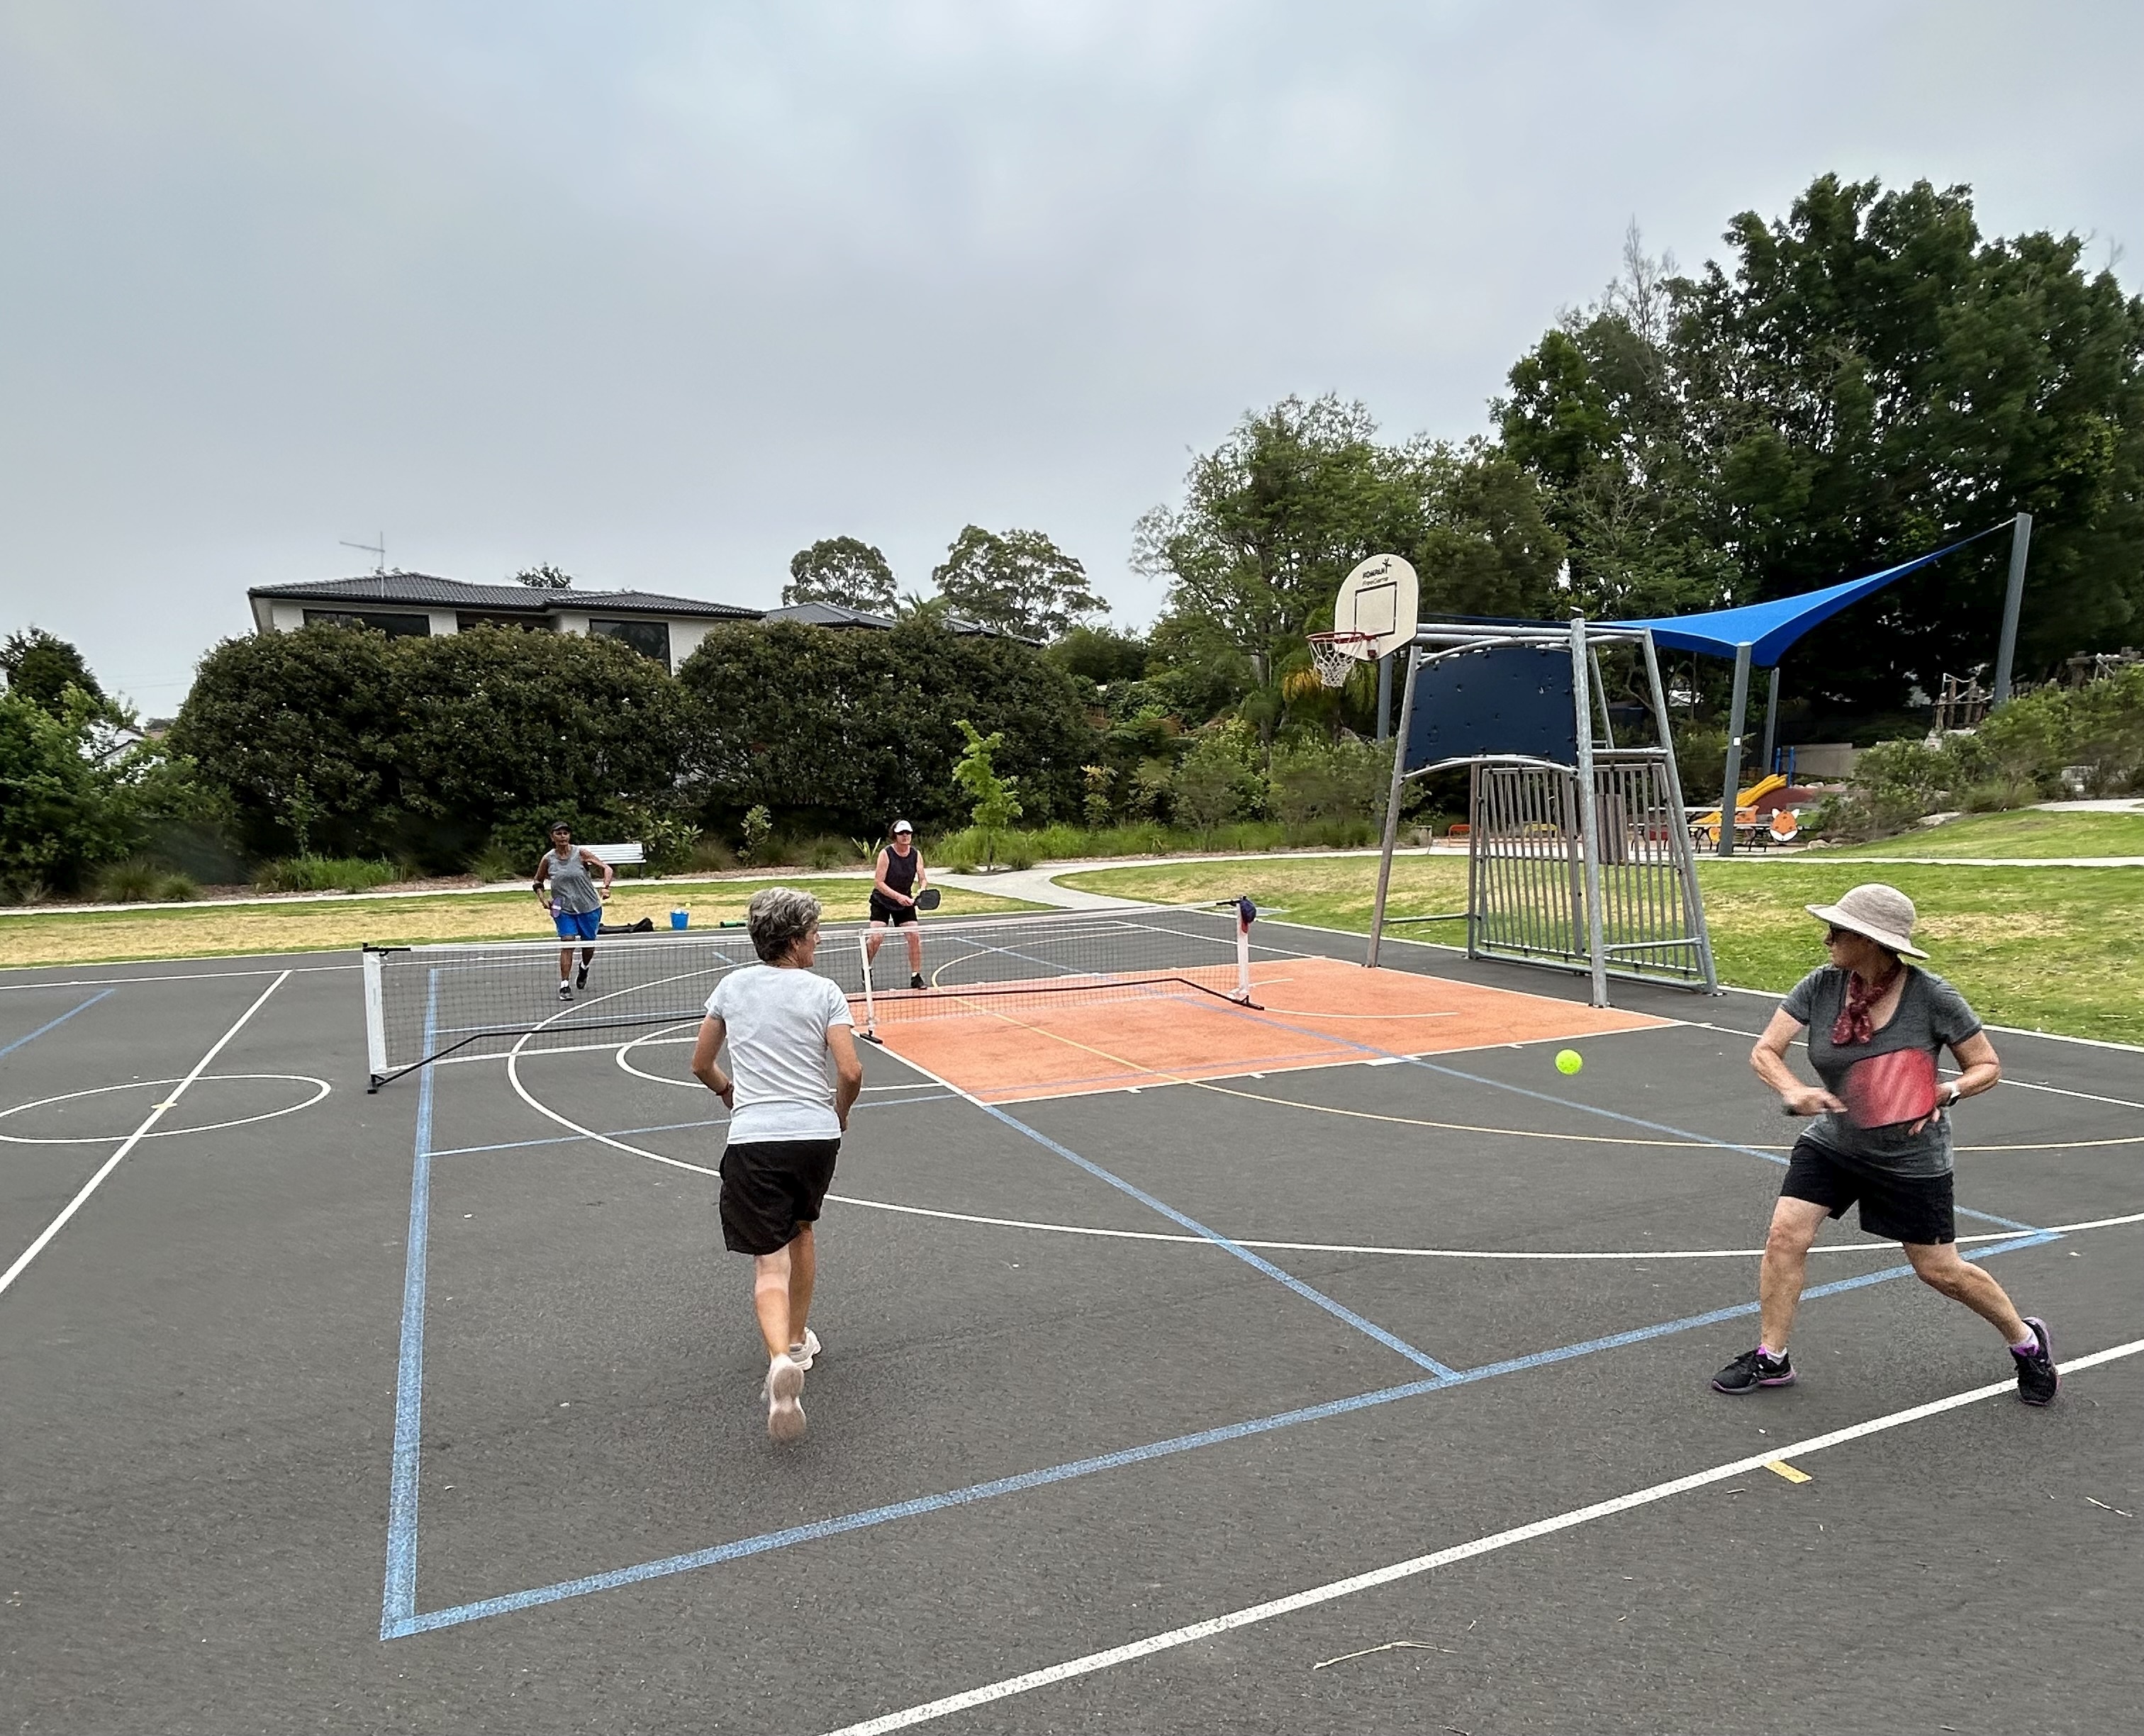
(2046,949)
(2036,832)
(85,937)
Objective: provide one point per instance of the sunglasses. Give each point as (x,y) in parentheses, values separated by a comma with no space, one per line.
(1833,936)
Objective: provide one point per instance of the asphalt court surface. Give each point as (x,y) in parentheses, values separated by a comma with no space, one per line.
(1099,1368)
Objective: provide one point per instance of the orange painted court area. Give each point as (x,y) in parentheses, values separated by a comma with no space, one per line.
(1311,1012)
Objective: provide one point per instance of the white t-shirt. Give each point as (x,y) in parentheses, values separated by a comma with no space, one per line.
(777,1023)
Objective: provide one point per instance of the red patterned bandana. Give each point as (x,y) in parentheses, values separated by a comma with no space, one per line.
(1856,1023)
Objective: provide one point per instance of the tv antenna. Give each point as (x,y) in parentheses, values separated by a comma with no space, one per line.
(378,551)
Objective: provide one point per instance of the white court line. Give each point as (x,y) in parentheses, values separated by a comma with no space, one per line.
(1336,1588)
(156,1114)
(1442,1253)
(169,976)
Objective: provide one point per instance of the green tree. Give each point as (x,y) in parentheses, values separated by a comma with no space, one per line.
(1864,380)
(544,577)
(997,799)
(1020,582)
(1273,520)
(1101,655)
(75,793)
(428,747)
(41,667)
(1276,518)
(844,571)
(840,731)
(1219,780)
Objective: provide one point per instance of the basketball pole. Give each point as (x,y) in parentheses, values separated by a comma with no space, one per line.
(1385,697)
(1393,810)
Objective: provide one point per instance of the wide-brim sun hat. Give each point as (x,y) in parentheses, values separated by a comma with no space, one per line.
(1876,912)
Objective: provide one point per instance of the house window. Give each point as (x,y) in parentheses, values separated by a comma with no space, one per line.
(465,620)
(650,639)
(395,627)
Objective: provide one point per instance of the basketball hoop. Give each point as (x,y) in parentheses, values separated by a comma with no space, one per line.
(1339,655)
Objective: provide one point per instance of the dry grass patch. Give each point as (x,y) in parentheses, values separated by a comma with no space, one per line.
(335,924)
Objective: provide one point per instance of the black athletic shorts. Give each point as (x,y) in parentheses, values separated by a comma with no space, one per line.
(770,1190)
(1898,1208)
(895,915)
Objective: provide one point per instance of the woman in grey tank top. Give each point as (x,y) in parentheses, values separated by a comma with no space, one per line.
(573,900)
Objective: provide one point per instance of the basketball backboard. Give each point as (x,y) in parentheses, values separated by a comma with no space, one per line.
(1382,597)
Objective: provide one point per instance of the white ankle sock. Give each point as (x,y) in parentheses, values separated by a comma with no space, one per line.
(2027,1344)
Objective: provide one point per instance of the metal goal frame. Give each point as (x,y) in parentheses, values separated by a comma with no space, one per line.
(1582,866)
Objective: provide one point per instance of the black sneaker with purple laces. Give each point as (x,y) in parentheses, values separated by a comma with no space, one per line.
(2037,1379)
(1756,1368)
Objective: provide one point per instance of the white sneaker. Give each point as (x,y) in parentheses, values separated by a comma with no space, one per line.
(802,1354)
(784,1388)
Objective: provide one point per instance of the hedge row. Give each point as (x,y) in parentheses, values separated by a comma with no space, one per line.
(342,741)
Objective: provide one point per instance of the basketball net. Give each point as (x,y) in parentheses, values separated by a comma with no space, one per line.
(1338,656)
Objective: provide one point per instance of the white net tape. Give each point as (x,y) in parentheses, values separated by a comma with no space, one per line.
(1339,655)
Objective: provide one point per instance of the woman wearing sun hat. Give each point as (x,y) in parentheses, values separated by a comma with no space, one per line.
(1876,1025)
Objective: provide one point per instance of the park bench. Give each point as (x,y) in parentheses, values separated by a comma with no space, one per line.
(620,855)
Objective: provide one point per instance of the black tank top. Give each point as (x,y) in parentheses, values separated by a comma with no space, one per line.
(901,870)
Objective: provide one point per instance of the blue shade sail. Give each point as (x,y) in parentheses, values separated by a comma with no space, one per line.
(1768,629)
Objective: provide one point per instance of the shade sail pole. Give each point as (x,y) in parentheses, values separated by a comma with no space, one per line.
(1772,726)
(2021,542)
(1737,711)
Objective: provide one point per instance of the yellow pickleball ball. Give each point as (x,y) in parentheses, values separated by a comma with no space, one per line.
(1568,1060)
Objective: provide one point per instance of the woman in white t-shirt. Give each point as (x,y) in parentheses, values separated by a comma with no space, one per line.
(794,1077)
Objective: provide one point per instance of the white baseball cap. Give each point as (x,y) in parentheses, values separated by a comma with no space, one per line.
(902,826)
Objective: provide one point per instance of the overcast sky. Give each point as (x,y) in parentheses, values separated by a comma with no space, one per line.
(662,293)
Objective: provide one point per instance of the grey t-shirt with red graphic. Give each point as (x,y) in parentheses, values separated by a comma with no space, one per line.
(1932,1016)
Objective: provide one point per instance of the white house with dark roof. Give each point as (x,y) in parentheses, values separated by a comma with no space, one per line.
(417,605)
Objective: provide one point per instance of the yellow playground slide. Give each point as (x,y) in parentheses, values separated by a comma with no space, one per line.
(1744,808)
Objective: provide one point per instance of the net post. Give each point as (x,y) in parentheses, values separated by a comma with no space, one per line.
(864,964)
(1589,817)
(375,1019)
(1244,915)
(1393,809)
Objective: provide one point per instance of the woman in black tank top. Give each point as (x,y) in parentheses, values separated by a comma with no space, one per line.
(900,876)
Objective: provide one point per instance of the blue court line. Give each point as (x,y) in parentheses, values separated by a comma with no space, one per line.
(768,1541)
(667,1127)
(1339,1311)
(55,1024)
(400,1602)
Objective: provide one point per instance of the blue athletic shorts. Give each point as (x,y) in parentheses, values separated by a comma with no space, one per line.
(577,925)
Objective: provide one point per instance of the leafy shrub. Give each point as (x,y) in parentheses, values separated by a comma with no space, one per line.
(1315,783)
(430,746)
(1219,780)
(74,795)
(839,731)
(2016,757)
(710,855)
(326,874)
(496,862)
(139,879)
(758,829)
